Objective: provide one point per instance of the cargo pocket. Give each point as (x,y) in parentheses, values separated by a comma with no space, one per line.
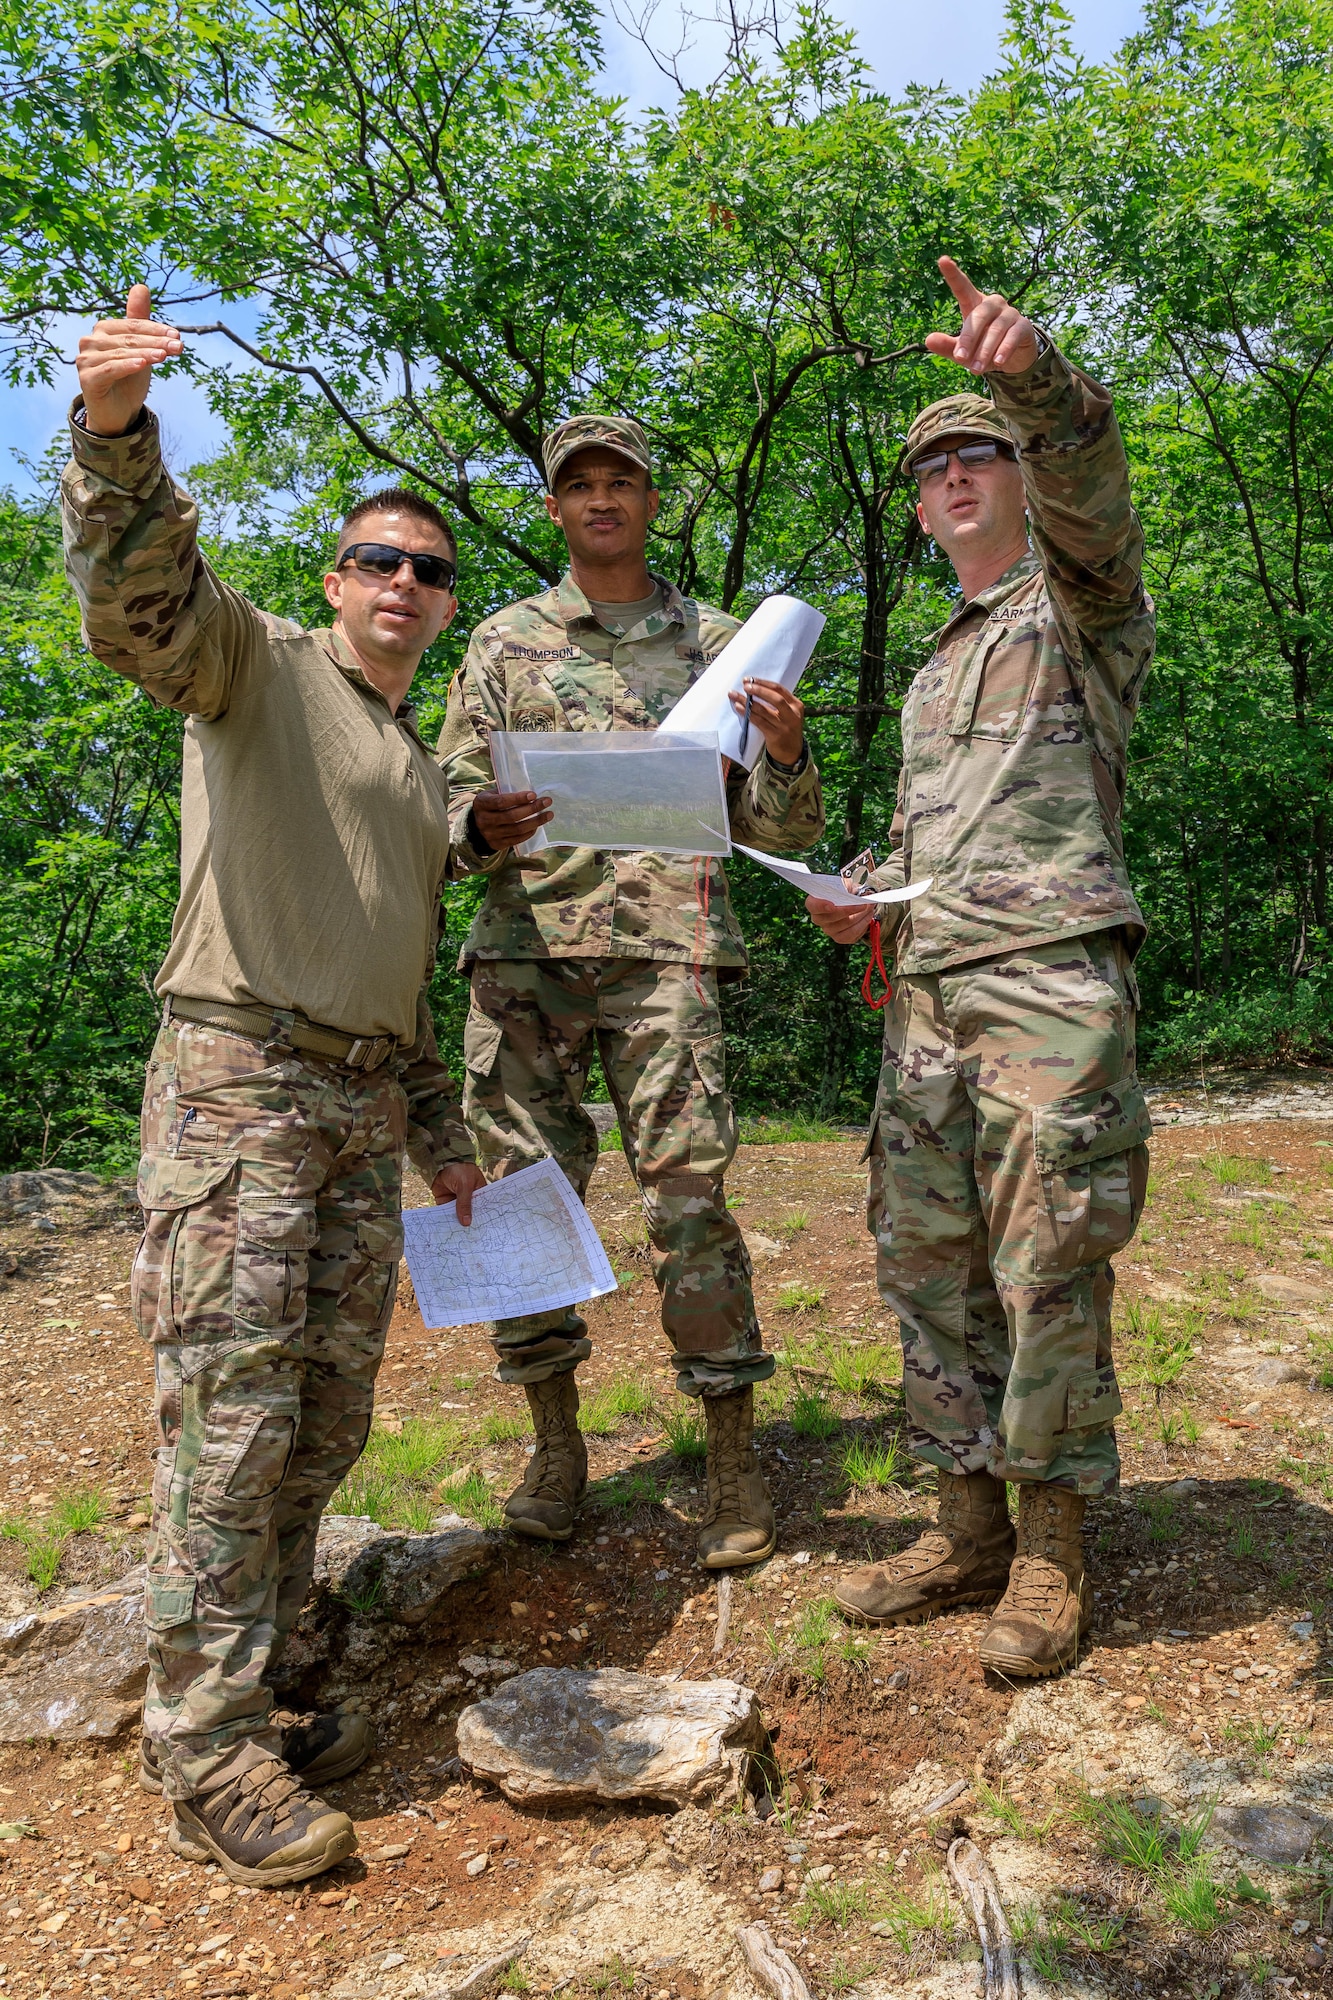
(168,1188)
(481,1043)
(274,1234)
(712,1115)
(379,1240)
(1091,1159)
(168,1599)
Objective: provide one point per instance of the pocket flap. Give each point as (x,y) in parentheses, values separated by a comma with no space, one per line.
(168,1600)
(481,1043)
(1091,1126)
(381,1237)
(1093,1398)
(277,1222)
(710,1059)
(166,1182)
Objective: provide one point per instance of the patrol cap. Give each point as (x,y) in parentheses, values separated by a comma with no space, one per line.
(618,434)
(960,416)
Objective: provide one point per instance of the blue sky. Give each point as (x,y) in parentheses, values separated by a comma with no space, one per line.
(947,41)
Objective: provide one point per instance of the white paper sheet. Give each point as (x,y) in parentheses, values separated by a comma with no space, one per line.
(832,888)
(775,642)
(530,1247)
(621,790)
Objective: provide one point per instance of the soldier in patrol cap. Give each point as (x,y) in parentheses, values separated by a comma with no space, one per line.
(295,1061)
(1008,1154)
(576,952)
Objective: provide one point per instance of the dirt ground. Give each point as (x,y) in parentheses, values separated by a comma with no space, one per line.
(1206,1683)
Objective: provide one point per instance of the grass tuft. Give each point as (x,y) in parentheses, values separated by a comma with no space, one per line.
(800,1297)
(686,1431)
(870,1465)
(908,1915)
(810,1416)
(607,1408)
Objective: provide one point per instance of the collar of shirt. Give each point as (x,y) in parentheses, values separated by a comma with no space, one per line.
(348,665)
(573,607)
(986,600)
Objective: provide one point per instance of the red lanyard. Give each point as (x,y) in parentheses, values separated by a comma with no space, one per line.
(875,965)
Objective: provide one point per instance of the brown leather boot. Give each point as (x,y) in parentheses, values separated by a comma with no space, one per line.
(1047,1609)
(738,1528)
(556,1480)
(963,1559)
(260,1824)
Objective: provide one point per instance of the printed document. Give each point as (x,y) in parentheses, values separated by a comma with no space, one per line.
(774,643)
(622,790)
(530,1247)
(832,888)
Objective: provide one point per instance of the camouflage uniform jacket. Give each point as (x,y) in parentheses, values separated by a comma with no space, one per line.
(1015,734)
(530,667)
(314,823)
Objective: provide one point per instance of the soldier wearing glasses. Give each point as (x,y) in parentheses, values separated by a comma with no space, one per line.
(1008,1156)
(295,1063)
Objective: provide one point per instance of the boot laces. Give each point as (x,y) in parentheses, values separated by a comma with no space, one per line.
(724,1462)
(932,1546)
(1037,1585)
(542,1480)
(263,1801)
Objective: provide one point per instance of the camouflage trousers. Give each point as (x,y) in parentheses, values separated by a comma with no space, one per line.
(265,1279)
(530,1037)
(1007,1164)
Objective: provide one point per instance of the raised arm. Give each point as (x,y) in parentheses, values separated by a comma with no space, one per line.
(152,609)
(1075,473)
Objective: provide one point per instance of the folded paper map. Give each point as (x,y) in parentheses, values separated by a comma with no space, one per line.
(832,888)
(530,1247)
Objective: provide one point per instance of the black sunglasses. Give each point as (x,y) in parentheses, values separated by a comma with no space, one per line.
(967,454)
(380,559)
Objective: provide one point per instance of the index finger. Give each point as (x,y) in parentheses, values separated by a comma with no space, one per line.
(960,285)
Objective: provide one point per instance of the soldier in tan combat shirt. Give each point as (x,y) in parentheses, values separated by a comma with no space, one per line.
(575,951)
(295,1062)
(1008,1153)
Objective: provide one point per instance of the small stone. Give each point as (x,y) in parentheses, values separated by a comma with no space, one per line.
(478,1864)
(125,1843)
(391,1960)
(518,1610)
(1282,1835)
(1289,1291)
(137,1521)
(824,1874)
(1300,1927)
(770,1881)
(395,1852)
(140,1888)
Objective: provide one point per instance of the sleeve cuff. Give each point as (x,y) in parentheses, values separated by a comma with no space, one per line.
(789,770)
(132,461)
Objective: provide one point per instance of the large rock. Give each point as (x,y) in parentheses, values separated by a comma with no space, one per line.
(1282,1835)
(554,1733)
(33,1193)
(400,1577)
(1286,1291)
(76,1670)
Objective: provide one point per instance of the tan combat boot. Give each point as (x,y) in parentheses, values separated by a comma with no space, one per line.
(260,1824)
(739,1527)
(556,1480)
(1047,1608)
(963,1559)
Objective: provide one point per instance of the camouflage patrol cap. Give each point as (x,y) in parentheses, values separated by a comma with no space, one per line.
(961,416)
(618,434)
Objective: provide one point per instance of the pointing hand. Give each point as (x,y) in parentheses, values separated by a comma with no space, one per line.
(994,339)
(116,362)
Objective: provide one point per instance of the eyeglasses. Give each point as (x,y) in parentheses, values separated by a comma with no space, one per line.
(380,559)
(968,455)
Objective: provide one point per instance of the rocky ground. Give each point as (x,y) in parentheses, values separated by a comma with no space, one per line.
(1160,1823)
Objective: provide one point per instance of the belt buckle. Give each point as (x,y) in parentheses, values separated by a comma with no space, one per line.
(367,1053)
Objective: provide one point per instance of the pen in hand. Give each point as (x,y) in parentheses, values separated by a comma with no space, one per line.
(745,720)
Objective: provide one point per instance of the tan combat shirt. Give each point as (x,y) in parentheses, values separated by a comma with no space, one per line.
(548,664)
(1016,732)
(314,823)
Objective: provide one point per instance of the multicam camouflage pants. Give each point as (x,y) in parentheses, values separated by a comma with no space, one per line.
(265,1279)
(529,1041)
(1008,1163)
